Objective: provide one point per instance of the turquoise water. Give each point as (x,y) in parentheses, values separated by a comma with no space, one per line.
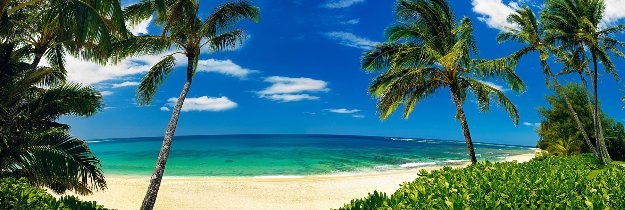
(275,155)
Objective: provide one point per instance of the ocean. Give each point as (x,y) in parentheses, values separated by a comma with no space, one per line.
(286,155)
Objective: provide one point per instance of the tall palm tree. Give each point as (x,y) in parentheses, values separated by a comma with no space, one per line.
(578,24)
(32,143)
(528,30)
(189,35)
(428,50)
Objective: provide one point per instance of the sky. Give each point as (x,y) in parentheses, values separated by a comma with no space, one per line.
(299,73)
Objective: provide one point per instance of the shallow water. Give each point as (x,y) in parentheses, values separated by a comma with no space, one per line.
(276,155)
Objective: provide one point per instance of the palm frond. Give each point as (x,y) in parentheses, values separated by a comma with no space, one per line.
(226,40)
(484,92)
(154,78)
(228,14)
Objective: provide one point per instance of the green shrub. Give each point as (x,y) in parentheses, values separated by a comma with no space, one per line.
(18,194)
(545,183)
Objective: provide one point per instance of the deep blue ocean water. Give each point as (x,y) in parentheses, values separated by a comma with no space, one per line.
(286,155)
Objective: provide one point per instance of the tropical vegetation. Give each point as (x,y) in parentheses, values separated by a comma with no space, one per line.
(558,135)
(34,144)
(428,50)
(188,35)
(577,26)
(19,194)
(573,182)
(530,32)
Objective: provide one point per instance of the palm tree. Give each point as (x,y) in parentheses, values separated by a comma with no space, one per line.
(565,146)
(53,28)
(578,24)
(529,31)
(427,51)
(32,143)
(188,34)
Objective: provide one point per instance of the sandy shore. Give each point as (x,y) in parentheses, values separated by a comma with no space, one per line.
(309,192)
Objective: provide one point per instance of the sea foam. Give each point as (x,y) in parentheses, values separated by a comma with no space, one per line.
(417,164)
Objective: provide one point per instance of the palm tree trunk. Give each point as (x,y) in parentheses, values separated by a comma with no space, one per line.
(159,169)
(37,59)
(465,125)
(603,151)
(578,122)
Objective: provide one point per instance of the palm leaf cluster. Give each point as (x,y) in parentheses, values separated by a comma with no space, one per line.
(427,50)
(52,29)
(34,145)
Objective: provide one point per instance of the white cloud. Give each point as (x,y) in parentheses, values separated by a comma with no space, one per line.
(531,124)
(358,116)
(140,28)
(165,109)
(343,111)
(203,103)
(106,93)
(125,84)
(289,97)
(614,10)
(351,40)
(89,73)
(336,4)
(494,12)
(287,89)
(350,22)
(226,67)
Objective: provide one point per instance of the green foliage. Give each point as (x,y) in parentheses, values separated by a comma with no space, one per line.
(18,194)
(557,131)
(32,143)
(543,183)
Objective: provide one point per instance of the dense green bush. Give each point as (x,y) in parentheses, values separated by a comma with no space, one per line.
(559,134)
(573,182)
(18,194)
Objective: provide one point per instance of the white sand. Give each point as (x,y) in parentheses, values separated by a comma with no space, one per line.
(309,192)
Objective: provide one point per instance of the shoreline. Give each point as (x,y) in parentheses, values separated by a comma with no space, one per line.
(261,192)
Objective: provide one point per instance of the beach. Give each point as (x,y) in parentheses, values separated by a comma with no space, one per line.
(305,192)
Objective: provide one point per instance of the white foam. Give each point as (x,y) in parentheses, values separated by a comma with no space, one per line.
(455,161)
(278,177)
(416,164)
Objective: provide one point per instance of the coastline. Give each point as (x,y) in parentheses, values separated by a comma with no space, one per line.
(271,192)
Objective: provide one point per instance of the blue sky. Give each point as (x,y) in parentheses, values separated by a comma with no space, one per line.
(298,73)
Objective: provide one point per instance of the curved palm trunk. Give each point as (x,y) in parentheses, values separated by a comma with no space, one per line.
(603,151)
(159,169)
(578,122)
(465,125)
(36,60)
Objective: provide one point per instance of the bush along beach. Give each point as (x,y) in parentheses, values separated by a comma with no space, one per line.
(571,182)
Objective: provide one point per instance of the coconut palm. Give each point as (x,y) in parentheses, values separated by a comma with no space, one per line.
(188,35)
(427,51)
(32,143)
(529,31)
(54,28)
(579,24)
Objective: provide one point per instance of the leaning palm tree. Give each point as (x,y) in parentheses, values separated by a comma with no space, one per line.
(188,34)
(32,143)
(578,24)
(528,30)
(427,51)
